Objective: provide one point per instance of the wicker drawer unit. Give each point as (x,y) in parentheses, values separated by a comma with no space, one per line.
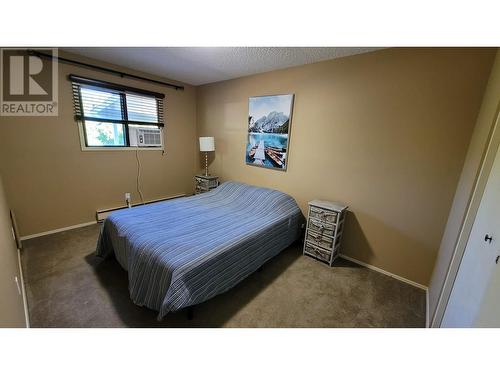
(205,183)
(325,224)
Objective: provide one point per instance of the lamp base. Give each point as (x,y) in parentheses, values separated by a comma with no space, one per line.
(206,164)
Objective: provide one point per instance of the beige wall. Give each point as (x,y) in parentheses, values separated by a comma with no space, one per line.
(462,201)
(51,183)
(11,307)
(384,132)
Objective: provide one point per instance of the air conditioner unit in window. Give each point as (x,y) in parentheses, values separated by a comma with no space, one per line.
(148,137)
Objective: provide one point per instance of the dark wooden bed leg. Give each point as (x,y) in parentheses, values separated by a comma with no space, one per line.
(190,313)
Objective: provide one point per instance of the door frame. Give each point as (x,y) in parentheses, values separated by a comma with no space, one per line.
(487,159)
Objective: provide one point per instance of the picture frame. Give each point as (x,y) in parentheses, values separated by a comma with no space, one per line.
(268,131)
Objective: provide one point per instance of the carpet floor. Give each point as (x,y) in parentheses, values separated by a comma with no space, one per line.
(68,287)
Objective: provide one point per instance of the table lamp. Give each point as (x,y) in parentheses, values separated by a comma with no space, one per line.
(207,144)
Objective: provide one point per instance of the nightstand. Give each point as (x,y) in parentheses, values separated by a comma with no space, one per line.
(325,225)
(205,183)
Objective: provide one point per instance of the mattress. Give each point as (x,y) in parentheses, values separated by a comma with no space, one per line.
(182,252)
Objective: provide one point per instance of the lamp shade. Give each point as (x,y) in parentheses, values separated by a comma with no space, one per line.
(207,144)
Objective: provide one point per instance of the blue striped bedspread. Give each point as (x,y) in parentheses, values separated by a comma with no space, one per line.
(185,251)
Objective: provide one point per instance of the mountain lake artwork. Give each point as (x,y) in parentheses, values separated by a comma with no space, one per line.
(269,120)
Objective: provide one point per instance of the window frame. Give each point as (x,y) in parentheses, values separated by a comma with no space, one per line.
(122,91)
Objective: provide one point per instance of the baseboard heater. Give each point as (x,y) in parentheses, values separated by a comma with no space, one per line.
(100,215)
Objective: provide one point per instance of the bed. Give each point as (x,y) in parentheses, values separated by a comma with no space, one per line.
(182,252)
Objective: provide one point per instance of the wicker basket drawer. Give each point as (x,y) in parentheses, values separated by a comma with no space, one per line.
(206,184)
(319,240)
(321,227)
(317,252)
(323,215)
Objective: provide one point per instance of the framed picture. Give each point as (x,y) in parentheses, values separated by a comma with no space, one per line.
(269,120)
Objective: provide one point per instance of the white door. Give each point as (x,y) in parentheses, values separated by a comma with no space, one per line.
(474,300)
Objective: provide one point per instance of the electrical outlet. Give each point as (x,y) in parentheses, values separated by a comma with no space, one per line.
(127,196)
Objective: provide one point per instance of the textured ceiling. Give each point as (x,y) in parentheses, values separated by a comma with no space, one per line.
(201,65)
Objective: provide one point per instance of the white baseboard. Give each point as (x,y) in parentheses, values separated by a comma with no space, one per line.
(23,290)
(57,230)
(423,287)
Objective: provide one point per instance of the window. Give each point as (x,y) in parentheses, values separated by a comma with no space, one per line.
(111,115)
